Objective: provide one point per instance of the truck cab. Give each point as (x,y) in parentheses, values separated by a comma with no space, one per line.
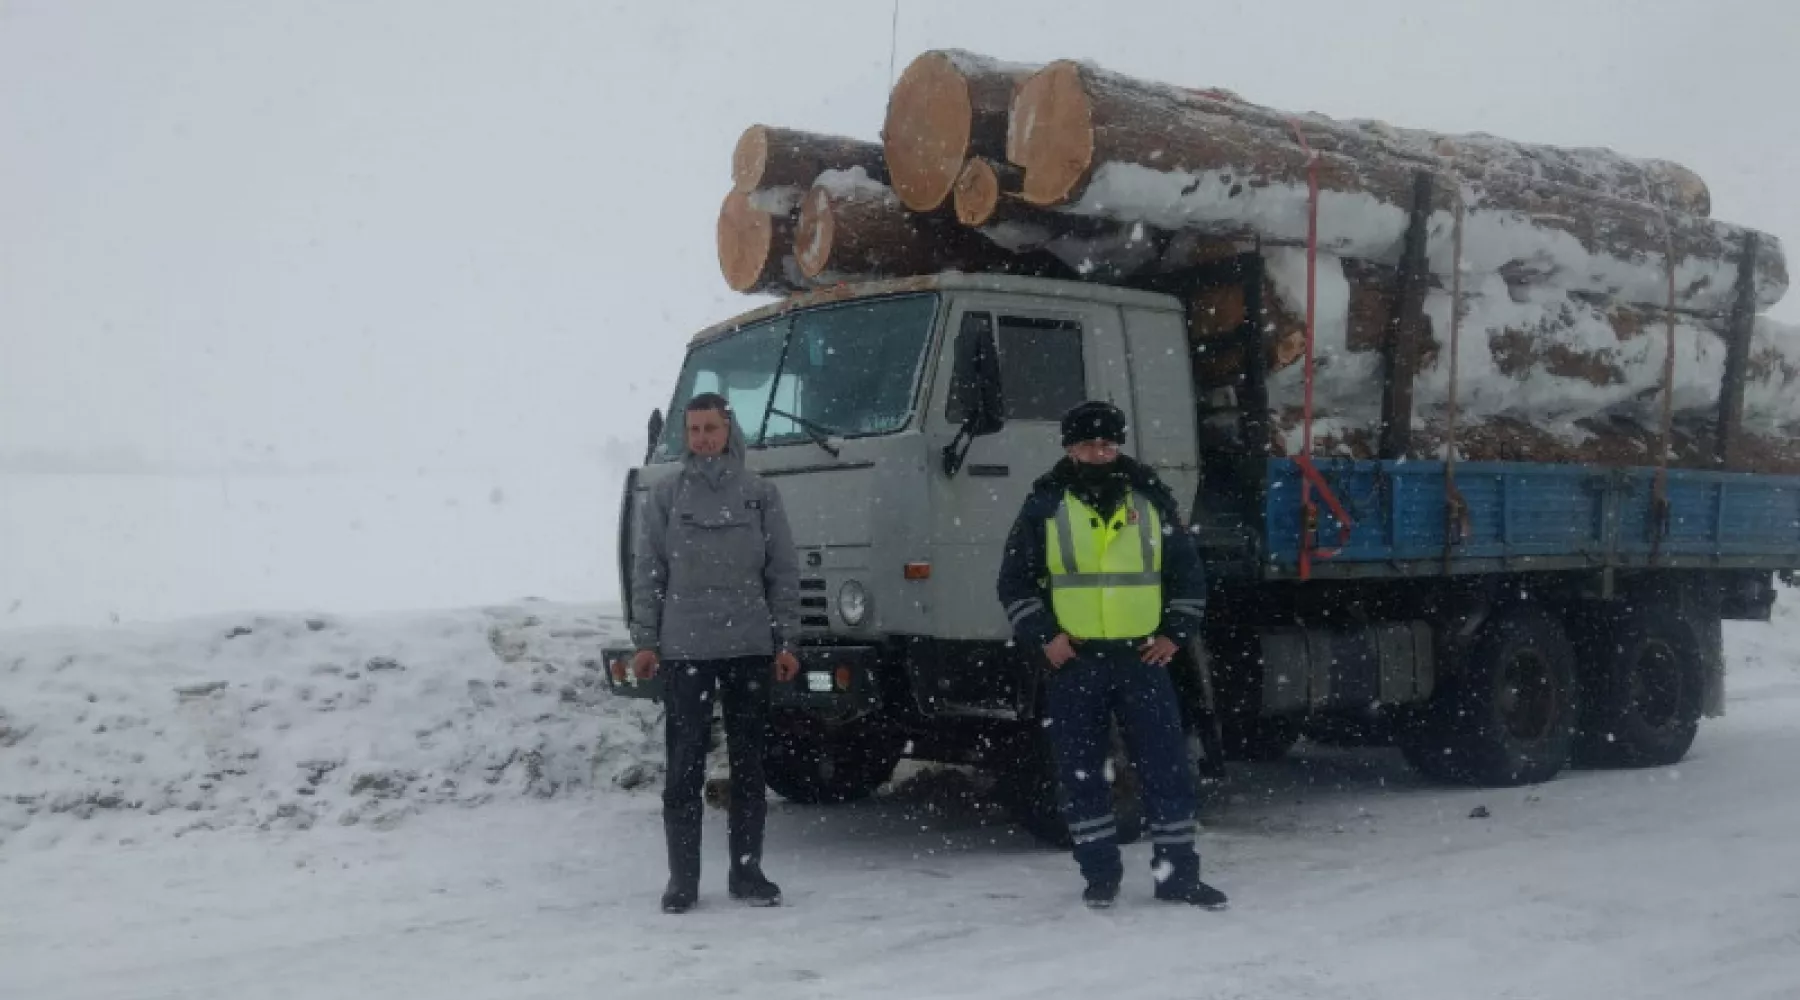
(904,423)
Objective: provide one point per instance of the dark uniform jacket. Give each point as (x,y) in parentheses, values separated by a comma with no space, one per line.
(1024,583)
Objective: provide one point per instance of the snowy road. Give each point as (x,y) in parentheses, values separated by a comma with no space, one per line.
(1350,879)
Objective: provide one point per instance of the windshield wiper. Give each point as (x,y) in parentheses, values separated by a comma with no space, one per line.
(816,432)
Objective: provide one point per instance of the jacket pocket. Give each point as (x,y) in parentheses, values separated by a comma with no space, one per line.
(727,549)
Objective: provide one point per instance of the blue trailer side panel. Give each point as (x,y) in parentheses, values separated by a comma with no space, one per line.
(1524,515)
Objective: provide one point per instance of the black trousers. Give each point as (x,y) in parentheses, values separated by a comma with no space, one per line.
(689,687)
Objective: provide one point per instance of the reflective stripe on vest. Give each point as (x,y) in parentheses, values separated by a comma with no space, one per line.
(1105,580)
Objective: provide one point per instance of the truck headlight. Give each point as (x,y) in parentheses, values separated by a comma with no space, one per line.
(853,603)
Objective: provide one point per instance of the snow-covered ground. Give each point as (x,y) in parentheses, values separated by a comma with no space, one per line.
(474,836)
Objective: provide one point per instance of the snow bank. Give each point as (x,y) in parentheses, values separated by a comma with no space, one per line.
(286,721)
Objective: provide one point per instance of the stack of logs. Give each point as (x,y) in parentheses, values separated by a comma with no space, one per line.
(1070,171)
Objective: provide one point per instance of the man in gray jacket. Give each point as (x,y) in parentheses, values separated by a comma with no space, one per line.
(715,592)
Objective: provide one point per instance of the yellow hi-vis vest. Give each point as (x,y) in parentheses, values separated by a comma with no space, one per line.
(1105,576)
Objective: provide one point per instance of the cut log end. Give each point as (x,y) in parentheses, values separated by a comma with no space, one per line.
(1051,134)
(814,235)
(750,159)
(926,135)
(977,193)
(748,257)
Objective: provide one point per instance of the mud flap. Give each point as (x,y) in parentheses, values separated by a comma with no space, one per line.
(1199,709)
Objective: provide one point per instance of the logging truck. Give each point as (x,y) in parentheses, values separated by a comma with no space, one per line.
(1480,440)
(1496,620)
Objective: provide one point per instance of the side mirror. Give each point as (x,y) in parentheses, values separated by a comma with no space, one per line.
(656,430)
(975,377)
(975,390)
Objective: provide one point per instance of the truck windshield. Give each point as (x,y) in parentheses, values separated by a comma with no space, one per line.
(846,370)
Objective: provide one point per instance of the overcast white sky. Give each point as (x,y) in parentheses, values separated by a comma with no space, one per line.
(471,233)
(476,235)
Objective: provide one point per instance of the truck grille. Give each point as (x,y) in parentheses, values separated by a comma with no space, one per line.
(815,607)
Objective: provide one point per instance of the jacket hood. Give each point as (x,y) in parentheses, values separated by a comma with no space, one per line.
(731,458)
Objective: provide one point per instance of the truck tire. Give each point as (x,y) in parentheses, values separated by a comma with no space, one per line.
(1362,729)
(809,763)
(1032,794)
(1261,739)
(1508,715)
(1643,696)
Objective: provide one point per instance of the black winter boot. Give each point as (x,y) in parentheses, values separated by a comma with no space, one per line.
(684,865)
(679,896)
(747,883)
(1100,894)
(1195,894)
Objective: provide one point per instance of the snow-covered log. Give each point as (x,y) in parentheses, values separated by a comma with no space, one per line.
(1545,376)
(1656,182)
(852,225)
(947,106)
(1097,144)
(1216,315)
(767,157)
(1662,183)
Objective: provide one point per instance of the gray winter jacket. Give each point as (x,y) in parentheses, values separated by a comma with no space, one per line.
(714,574)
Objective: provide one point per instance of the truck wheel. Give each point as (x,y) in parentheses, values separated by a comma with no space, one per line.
(1508,716)
(1363,729)
(808,763)
(1032,793)
(1263,739)
(1643,698)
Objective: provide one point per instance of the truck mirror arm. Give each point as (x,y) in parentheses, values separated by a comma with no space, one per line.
(973,426)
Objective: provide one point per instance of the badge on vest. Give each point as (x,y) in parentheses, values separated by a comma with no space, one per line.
(1131,516)
(753,505)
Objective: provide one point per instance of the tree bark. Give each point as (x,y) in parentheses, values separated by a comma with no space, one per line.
(948,106)
(769,157)
(1097,144)
(861,230)
(851,227)
(987,201)
(1661,183)
(1215,315)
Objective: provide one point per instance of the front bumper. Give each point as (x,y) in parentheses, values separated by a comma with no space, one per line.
(833,680)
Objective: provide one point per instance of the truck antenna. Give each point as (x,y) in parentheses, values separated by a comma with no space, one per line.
(893,42)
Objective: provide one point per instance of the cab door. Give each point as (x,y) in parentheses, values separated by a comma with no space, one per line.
(1051,354)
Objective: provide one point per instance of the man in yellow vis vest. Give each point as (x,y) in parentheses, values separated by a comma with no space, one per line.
(1101,575)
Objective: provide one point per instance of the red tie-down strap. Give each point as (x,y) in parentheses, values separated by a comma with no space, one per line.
(1309,517)
(1310,478)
